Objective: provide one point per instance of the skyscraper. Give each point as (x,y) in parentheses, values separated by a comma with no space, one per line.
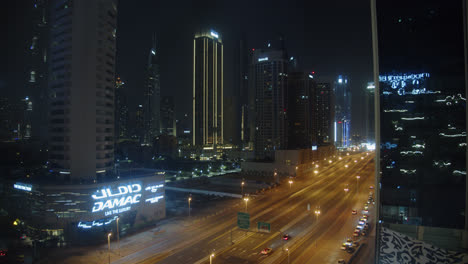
(324,113)
(121,111)
(302,111)
(168,121)
(207,89)
(37,61)
(369,106)
(342,123)
(420,77)
(81,80)
(269,80)
(152,95)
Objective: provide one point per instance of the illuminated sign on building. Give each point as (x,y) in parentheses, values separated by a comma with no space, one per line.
(120,199)
(407,83)
(263,59)
(22,186)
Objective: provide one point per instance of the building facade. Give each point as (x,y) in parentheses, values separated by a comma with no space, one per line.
(207,90)
(269,71)
(81,80)
(324,113)
(121,111)
(168,121)
(342,123)
(152,97)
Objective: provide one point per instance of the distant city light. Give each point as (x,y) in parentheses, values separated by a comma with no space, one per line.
(263,59)
(22,186)
(153,52)
(214,34)
(340,80)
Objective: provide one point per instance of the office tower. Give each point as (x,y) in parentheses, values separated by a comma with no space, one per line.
(152,99)
(81,80)
(168,121)
(231,128)
(269,81)
(342,123)
(302,116)
(242,81)
(37,62)
(27,119)
(324,113)
(121,111)
(207,89)
(369,109)
(184,126)
(139,124)
(420,79)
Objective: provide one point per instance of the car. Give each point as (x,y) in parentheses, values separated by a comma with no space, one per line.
(371,187)
(341,261)
(360,226)
(361,223)
(354,212)
(355,244)
(266,251)
(366,211)
(344,246)
(366,207)
(349,242)
(365,216)
(363,233)
(356,233)
(286,237)
(363,219)
(350,250)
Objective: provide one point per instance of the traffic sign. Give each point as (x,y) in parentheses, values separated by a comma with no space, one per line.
(243,220)
(263,227)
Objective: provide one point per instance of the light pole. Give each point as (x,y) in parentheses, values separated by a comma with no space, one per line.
(287,250)
(290,183)
(189,200)
(211,257)
(118,235)
(242,186)
(346,189)
(357,183)
(246,199)
(108,244)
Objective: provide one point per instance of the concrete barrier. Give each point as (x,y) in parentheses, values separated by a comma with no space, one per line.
(187,190)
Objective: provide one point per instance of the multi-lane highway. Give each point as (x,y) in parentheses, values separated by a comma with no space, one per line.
(315,238)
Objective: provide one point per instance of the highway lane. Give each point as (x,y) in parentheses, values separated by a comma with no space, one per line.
(283,207)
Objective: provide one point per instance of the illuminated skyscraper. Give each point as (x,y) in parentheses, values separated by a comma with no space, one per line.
(121,111)
(269,71)
(207,89)
(324,113)
(342,123)
(152,101)
(168,121)
(82,81)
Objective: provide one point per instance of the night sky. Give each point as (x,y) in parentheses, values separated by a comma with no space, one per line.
(331,38)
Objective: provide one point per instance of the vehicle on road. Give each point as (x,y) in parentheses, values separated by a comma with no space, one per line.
(341,261)
(286,237)
(355,244)
(266,251)
(363,233)
(350,250)
(344,246)
(354,212)
(371,187)
(357,233)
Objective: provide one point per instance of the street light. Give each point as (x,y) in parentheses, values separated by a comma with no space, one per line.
(118,235)
(211,257)
(189,200)
(246,199)
(108,244)
(290,182)
(317,212)
(287,250)
(357,183)
(346,166)
(329,161)
(242,185)
(316,171)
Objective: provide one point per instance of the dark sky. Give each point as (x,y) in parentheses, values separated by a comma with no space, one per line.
(330,37)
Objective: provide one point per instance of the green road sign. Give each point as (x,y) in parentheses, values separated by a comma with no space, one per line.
(243,220)
(263,227)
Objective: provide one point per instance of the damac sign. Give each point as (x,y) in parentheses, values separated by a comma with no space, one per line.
(124,195)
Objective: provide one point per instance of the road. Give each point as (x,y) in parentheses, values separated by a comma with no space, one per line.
(315,238)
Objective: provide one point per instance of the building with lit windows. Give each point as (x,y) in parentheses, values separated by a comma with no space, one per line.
(168,121)
(323,113)
(208,91)
(342,123)
(269,71)
(422,126)
(369,109)
(121,111)
(152,97)
(81,81)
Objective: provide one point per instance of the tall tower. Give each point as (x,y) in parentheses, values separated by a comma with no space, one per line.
(342,123)
(324,114)
(37,72)
(121,111)
(207,89)
(269,79)
(81,80)
(152,102)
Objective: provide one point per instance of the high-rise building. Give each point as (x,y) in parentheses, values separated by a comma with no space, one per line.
(121,111)
(26,124)
(242,82)
(81,80)
(421,81)
(168,121)
(369,109)
(207,89)
(37,61)
(324,113)
(269,71)
(301,111)
(152,95)
(342,122)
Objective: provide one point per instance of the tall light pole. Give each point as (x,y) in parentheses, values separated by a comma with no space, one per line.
(108,244)
(357,183)
(242,186)
(211,257)
(189,200)
(246,199)
(290,183)
(287,250)
(118,235)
